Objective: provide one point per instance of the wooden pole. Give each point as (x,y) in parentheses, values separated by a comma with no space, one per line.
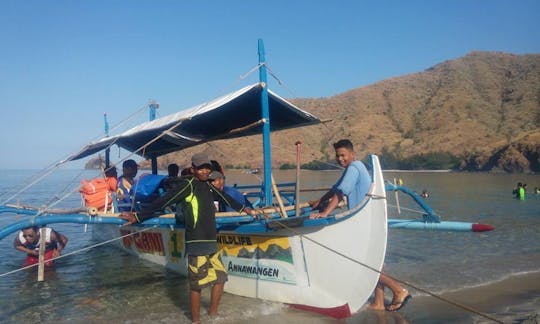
(41,265)
(264,210)
(297,193)
(278,197)
(397,199)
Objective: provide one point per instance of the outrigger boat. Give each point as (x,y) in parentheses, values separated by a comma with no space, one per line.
(429,220)
(328,265)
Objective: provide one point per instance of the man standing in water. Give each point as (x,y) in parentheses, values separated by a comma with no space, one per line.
(196,195)
(354,183)
(29,239)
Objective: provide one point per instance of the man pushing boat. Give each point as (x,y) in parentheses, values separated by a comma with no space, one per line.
(196,196)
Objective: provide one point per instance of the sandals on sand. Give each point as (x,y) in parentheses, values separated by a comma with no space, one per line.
(395,306)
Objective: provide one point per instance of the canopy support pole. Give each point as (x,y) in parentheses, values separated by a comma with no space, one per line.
(297,189)
(153,106)
(266,127)
(108,150)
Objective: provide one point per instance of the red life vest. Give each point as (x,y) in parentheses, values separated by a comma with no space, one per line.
(97,192)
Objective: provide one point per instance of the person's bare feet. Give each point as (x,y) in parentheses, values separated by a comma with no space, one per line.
(376,307)
(400,296)
(400,299)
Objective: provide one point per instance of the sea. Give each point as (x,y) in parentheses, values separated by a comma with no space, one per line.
(454,277)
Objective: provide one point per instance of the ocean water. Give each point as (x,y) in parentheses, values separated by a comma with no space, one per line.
(495,272)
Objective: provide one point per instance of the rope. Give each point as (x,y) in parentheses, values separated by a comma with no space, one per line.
(255,68)
(129,155)
(409,209)
(216,148)
(55,165)
(46,172)
(456,304)
(78,251)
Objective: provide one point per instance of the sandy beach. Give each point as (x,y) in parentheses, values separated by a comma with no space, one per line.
(513,300)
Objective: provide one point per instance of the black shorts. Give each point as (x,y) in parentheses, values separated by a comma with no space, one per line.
(205,270)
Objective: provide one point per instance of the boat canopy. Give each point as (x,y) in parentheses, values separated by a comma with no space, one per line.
(234,115)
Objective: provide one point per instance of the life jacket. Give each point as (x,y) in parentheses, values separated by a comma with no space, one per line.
(35,246)
(97,192)
(147,187)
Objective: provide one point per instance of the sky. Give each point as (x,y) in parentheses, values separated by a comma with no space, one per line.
(63,64)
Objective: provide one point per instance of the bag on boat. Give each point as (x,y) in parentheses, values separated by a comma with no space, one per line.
(97,192)
(147,187)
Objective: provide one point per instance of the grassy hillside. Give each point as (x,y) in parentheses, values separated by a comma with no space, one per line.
(480,112)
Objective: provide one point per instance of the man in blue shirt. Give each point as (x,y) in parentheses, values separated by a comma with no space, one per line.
(354,183)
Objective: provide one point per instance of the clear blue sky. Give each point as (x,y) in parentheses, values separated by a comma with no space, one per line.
(64,63)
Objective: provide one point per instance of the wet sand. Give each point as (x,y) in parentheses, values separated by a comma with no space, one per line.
(513,300)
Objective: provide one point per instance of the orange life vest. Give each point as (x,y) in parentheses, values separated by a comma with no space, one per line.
(97,192)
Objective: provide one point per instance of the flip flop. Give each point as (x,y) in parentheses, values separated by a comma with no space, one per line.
(399,305)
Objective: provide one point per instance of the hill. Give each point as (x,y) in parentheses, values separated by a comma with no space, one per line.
(480,112)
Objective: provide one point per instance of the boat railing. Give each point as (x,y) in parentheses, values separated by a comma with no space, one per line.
(286,191)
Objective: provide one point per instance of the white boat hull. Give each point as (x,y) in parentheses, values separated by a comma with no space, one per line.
(331,269)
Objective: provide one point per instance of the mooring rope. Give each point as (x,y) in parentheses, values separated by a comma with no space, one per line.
(33,179)
(409,209)
(456,304)
(80,250)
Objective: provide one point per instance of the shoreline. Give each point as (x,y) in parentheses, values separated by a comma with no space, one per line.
(512,299)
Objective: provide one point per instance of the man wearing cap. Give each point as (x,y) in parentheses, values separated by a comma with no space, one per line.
(218,181)
(195,196)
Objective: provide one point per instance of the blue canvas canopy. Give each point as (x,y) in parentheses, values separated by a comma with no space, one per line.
(234,115)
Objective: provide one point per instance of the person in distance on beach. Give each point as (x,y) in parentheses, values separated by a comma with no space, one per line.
(519,191)
(195,196)
(29,240)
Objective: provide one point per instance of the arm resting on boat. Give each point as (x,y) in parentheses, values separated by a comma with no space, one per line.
(332,204)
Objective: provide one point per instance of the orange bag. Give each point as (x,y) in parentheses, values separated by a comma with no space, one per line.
(97,192)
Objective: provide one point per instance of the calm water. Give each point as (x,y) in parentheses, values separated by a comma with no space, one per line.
(107,285)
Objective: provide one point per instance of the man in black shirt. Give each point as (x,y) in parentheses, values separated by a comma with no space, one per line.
(196,196)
